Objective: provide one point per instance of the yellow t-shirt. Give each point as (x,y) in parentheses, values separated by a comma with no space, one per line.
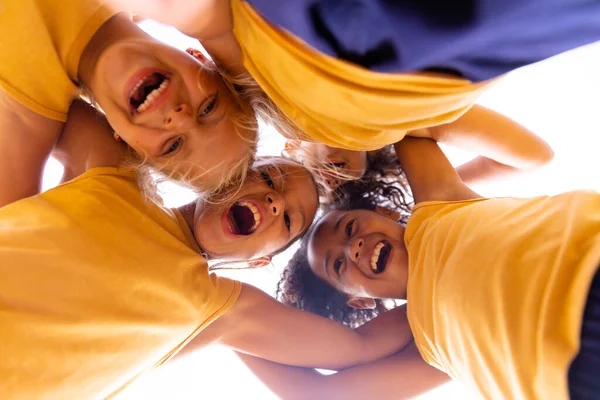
(42,41)
(497,289)
(338,103)
(97,287)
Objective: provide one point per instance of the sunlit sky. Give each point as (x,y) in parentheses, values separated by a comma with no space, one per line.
(558,99)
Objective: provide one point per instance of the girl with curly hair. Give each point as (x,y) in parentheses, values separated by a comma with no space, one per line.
(502,294)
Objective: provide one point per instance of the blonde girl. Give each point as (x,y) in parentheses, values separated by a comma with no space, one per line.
(333,97)
(173,109)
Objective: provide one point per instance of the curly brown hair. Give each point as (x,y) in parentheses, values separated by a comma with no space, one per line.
(383,183)
(300,288)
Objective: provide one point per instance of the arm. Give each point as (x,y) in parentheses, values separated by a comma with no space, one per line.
(200,19)
(504,146)
(87,142)
(26,141)
(402,376)
(429,173)
(259,325)
(209,21)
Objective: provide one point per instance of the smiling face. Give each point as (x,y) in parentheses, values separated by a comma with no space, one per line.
(360,253)
(325,158)
(276,204)
(171,107)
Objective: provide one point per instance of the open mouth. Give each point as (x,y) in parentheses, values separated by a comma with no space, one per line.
(243,218)
(380,257)
(147,90)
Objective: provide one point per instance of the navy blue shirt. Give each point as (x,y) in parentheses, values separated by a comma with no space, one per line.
(475,39)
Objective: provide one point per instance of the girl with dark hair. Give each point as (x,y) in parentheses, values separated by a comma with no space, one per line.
(502,294)
(299,287)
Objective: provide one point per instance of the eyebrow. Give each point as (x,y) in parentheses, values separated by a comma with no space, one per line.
(327,257)
(338,223)
(328,254)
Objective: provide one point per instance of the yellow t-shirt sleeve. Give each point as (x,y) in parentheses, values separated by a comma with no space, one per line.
(227,292)
(42,42)
(339,103)
(497,289)
(98,286)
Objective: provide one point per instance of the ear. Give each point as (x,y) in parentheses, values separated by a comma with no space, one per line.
(386,212)
(259,262)
(197,54)
(361,303)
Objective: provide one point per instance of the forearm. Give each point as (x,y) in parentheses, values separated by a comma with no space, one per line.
(26,141)
(260,326)
(395,320)
(505,146)
(482,169)
(87,142)
(429,173)
(401,376)
(285,381)
(200,19)
(226,52)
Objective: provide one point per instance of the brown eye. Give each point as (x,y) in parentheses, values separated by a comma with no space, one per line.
(349,227)
(337,265)
(267,179)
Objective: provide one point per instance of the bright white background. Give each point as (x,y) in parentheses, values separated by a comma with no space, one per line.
(558,99)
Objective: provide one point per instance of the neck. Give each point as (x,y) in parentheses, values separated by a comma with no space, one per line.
(117,28)
(187,211)
(226,52)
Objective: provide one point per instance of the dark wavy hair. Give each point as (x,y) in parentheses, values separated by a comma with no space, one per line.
(384,184)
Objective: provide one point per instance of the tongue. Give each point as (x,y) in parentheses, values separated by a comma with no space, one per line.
(241,220)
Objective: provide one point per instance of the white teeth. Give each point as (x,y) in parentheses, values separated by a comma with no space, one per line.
(255,211)
(152,95)
(375,256)
(137,85)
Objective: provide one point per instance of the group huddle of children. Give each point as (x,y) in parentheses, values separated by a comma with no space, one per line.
(101,283)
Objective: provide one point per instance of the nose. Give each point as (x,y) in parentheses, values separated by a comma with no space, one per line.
(178,117)
(275,204)
(354,249)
